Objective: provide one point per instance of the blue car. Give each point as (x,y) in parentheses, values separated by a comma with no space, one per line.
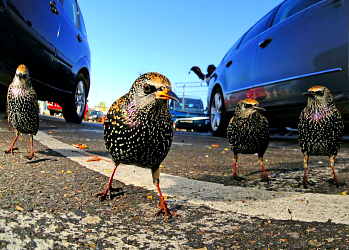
(298,44)
(189,114)
(50,38)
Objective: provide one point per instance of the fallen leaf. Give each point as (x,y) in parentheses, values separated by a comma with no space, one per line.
(283,240)
(94,158)
(19,208)
(50,132)
(92,245)
(344,193)
(150,197)
(62,171)
(165,197)
(226,149)
(80,145)
(107,170)
(69,172)
(214,145)
(161,166)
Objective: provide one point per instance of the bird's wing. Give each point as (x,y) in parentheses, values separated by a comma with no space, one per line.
(340,120)
(8,117)
(303,127)
(116,109)
(32,93)
(198,72)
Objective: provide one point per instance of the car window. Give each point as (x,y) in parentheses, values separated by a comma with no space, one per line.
(257,28)
(292,7)
(70,9)
(82,24)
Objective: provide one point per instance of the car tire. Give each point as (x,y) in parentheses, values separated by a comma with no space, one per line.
(75,110)
(218,123)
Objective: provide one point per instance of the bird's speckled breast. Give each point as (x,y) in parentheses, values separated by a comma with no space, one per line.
(144,141)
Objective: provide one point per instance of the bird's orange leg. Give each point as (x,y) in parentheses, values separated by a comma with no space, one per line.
(235,176)
(31,156)
(162,204)
(265,176)
(334,173)
(11,149)
(109,187)
(305,179)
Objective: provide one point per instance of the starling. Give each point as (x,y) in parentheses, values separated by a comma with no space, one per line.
(138,128)
(22,107)
(320,128)
(248,133)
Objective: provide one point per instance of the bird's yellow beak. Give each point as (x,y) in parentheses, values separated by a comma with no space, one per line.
(166,94)
(258,108)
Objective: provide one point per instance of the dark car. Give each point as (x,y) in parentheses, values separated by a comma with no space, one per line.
(95,116)
(50,38)
(189,114)
(295,46)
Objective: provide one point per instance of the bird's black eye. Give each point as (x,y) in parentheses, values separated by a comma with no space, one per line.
(319,93)
(247,105)
(146,88)
(24,77)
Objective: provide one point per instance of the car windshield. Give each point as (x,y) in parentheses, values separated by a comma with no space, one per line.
(190,105)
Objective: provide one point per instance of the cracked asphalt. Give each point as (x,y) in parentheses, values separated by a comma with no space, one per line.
(49,204)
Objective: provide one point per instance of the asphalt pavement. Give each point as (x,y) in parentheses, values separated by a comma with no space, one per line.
(49,203)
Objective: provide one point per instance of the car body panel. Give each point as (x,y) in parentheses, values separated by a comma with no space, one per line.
(31,39)
(306,49)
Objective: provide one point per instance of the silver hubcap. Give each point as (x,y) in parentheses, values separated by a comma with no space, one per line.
(80,98)
(216,111)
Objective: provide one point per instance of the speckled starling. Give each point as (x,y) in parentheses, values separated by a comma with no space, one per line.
(22,107)
(248,133)
(320,128)
(138,128)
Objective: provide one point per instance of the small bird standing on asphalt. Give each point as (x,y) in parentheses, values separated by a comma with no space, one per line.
(248,133)
(320,128)
(22,107)
(138,128)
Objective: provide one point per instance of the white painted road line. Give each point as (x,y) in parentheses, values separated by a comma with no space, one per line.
(247,201)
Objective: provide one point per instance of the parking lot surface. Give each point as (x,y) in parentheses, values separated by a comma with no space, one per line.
(49,203)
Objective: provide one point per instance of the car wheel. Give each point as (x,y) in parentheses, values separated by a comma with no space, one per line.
(217,113)
(74,111)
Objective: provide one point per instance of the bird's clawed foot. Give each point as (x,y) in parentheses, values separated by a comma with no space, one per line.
(265,178)
(102,196)
(163,209)
(238,178)
(334,181)
(10,150)
(29,157)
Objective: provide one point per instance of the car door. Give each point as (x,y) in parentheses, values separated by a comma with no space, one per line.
(306,45)
(70,40)
(240,64)
(41,16)
(36,26)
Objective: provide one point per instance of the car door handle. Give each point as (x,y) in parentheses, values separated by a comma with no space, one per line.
(265,43)
(53,6)
(228,64)
(79,38)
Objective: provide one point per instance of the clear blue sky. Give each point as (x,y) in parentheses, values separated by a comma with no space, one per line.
(128,38)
